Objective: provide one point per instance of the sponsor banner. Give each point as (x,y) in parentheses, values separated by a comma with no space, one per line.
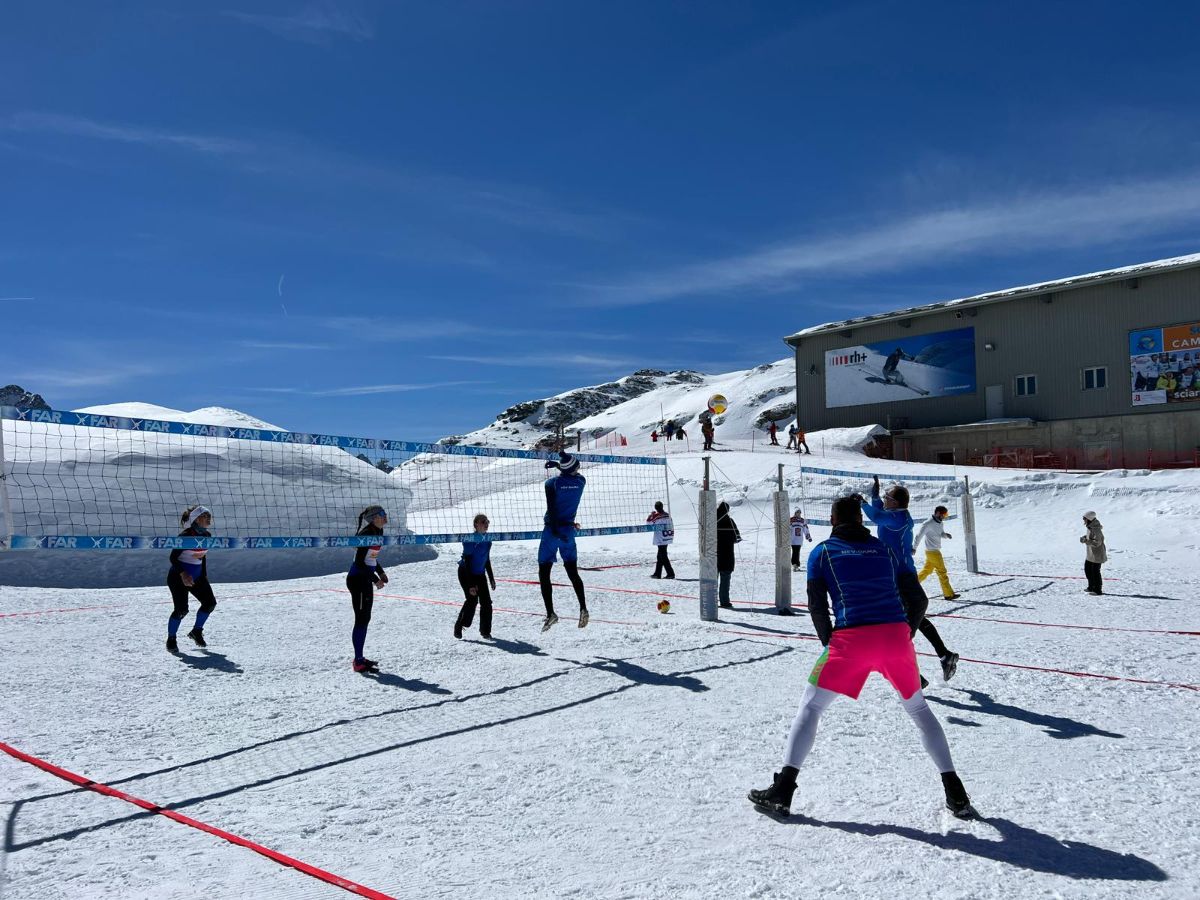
(143,542)
(916,367)
(1164,364)
(841,473)
(238,433)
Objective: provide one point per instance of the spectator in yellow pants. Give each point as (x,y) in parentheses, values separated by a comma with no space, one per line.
(932,533)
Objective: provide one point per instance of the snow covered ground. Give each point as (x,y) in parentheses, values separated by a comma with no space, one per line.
(614,761)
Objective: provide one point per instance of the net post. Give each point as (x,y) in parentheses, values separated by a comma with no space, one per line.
(708,550)
(968,515)
(5,508)
(783,547)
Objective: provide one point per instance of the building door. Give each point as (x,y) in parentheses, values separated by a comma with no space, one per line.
(994,394)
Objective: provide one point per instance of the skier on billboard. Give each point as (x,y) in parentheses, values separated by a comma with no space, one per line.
(890,374)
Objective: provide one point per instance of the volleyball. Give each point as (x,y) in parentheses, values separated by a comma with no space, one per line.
(664,606)
(717,404)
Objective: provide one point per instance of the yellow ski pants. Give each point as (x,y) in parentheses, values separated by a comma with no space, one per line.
(935,563)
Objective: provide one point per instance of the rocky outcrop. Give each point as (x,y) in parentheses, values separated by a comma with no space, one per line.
(15,395)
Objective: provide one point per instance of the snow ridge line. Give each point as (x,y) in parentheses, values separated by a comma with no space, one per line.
(990,662)
(275,856)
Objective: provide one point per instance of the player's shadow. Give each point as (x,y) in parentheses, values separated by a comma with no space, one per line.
(641,675)
(207,659)
(521,648)
(1143,597)
(390,679)
(1018,846)
(1055,726)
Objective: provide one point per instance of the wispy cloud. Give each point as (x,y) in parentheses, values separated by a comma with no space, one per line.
(282,345)
(316,23)
(1085,216)
(80,126)
(86,377)
(366,389)
(546,360)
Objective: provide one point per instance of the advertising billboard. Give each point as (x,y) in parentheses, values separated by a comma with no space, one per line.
(1164,364)
(921,366)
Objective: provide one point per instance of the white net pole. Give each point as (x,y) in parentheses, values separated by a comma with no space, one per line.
(708,550)
(783,547)
(968,516)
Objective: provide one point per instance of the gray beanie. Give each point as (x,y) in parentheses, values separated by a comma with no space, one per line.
(1090,516)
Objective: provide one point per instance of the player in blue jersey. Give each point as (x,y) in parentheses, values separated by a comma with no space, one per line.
(189,575)
(563,493)
(474,574)
(853,576)
(364,576)
(895,526)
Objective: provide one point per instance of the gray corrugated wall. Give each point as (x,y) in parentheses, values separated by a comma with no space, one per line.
(1083,327)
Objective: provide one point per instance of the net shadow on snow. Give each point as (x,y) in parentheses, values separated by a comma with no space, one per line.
(1021,847)
(1145,597)
(207,659)
(680,679)
(995,601)
(1056,726)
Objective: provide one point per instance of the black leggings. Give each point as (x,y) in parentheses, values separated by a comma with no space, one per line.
(200,589)
(362,598)
(482,597)
(795,554)
(663,563)
(548,589)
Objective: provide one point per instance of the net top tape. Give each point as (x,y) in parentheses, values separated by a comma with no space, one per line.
(299,542)
(839,473)
(240,433)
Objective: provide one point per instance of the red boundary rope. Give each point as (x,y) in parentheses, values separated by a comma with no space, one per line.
(273,855)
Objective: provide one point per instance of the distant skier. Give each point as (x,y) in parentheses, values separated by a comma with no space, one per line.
(727,536)
(1097,553)
(474,575)
(801,443)
(890,374)
(670,429)
(189,575)
(773,430)
(791,444)
(664,534)
(563,493)
(895,526)
(870,631)
(709,431)
(800,534)
(932,532)
(364,576)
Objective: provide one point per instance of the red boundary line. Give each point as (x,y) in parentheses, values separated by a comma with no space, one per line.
(46,612)
(992,662)
(273,855)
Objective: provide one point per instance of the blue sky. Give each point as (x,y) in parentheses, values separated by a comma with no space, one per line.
(397,219)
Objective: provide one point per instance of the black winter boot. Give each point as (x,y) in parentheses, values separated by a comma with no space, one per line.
(957,800)
(777,799)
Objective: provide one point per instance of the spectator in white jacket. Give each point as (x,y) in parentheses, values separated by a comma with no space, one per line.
(932,532)
(800,534)
(664,534)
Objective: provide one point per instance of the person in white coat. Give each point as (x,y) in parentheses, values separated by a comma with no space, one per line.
(800,534)
(664,534)
(933,532)
(1097,553)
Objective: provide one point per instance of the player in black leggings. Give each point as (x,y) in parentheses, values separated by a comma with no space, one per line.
(189,575)
(365,575)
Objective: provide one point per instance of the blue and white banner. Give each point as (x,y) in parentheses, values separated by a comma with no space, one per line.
(240,433)
(143,542)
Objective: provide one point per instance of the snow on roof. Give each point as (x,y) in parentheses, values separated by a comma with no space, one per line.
(1160,265)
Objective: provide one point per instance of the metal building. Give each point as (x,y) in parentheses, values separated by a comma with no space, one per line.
(1095,371)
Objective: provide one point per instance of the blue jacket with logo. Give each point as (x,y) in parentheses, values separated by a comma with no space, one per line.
(476,557)
(858,573)
(895,527)
(563,493)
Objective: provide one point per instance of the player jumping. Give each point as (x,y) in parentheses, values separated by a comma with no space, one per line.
(563,493)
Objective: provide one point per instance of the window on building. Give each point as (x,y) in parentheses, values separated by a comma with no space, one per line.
(1095,378)
(1026,385)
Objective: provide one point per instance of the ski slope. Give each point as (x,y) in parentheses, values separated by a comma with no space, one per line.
(614,761)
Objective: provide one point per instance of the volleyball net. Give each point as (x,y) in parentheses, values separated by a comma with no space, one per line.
(91,481)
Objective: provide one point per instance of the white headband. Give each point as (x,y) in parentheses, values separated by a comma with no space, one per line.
(194,515)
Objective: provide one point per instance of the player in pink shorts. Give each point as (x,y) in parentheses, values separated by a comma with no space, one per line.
(869,631)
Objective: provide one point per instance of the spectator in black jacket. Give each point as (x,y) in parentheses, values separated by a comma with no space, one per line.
(727,536)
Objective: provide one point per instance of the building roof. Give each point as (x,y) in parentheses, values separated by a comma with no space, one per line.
(1062,284)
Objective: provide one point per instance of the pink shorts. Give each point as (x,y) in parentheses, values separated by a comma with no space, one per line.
(854,653)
